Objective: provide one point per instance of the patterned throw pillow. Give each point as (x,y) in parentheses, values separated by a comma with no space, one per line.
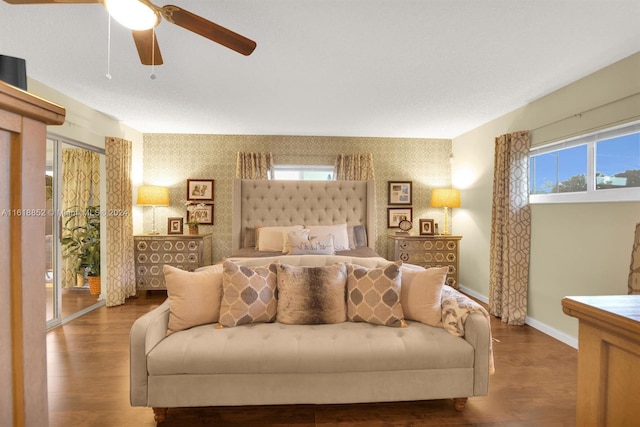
(248,294)
(312,295)
(373,295)
(421,294)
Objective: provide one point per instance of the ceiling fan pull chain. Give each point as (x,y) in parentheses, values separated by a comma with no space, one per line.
(153,53)
(108,75)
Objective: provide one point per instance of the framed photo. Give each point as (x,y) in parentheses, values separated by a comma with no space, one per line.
(204,214)
(200,189)
(400,192)
(174,225)
(427,227)
(395,215)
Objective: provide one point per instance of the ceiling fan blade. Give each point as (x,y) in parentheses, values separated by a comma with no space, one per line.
(50,1)
(208,29)
(145,39)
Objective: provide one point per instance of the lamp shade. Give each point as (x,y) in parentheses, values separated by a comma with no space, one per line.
(445,198)
(153,195)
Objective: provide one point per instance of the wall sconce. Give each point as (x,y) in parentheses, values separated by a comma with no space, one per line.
(445,198)
(153,195)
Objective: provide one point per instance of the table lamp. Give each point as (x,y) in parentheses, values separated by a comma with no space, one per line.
(445,198)
(153,195)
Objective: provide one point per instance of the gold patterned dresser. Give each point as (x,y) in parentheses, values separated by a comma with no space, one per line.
(152,251)
(427,251)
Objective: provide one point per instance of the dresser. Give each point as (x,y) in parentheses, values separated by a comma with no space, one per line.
(427,251)
(152,251)
(608,358)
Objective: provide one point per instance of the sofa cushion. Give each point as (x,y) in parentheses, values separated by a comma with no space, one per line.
(194,297)
(248,294)
(276,348)
(373,295)
(311,295)
(421,293)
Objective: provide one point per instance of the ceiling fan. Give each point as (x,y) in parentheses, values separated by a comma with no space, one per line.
(127,13)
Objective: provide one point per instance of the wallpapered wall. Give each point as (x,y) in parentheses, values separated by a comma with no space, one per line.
(171,159)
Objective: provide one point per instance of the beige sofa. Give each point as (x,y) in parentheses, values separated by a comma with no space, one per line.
(275,363)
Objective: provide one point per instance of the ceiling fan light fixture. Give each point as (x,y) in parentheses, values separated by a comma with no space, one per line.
(133,14)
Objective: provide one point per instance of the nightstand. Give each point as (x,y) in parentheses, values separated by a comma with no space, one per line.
(152,251)
(427,251)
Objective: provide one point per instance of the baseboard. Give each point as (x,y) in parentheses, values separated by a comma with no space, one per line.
(542,327)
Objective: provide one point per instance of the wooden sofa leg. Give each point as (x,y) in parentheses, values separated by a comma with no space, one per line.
(459,403)
(159,414)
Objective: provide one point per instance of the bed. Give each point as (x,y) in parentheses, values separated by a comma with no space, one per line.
(320,206)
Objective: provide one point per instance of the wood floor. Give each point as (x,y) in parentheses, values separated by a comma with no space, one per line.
(88,365)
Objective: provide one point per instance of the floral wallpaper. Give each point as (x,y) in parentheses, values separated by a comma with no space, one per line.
(171,159)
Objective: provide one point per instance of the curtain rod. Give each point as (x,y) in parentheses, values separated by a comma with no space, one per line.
(584,112)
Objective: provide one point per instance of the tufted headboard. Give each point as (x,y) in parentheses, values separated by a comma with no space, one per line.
(282,203)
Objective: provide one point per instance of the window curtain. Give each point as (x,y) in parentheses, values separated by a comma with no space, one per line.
(120,274)
(80,189)
(510,229)
(254,165)
(634,270)
(353,167)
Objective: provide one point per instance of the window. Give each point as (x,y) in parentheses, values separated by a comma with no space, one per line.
(304,172)
(599,167)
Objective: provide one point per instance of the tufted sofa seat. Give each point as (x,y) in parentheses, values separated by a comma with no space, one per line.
(274,363)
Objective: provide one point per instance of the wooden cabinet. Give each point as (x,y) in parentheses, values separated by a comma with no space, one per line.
(608,359)
(428,251)
(152,251)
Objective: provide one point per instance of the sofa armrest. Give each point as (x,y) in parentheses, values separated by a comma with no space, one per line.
(146,332)
(478,334)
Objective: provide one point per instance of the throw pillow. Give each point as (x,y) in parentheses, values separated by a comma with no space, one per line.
(339,231)
(301,235)
(248,294)
(311,295)
(421,294)
(194,297)
(270,238)
(373,295)
(322,245)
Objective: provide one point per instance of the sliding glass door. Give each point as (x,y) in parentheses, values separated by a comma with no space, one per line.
(72,234)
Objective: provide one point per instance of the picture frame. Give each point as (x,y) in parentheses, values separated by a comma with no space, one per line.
(203,212)
(427,227)
(175,225)
(201,190)
(395,215)
(400,192)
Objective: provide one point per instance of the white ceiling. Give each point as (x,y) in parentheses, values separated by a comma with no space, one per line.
(389,68)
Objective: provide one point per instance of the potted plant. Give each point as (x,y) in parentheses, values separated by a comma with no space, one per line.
(82,242)
(193,220)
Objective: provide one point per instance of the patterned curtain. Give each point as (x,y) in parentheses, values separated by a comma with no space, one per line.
(353,167)
(80,189)
(634,270)
(120,280)
(510,229)
(254,165)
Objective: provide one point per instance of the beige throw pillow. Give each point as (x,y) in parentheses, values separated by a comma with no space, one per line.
(322,245)
(421,294)
(311,295)
(373,295)
(248,294)
(270,239)
(339,232)
(194,297)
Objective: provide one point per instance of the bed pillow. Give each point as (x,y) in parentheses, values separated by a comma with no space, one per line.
(322,245)
(194,297)
(301,235)
(249,237)
(270,239)
(311,295)
(373,295)
(421,294)
(339,231)
(248,294)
